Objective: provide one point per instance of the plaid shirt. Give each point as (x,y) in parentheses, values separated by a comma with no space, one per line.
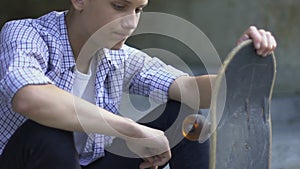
(37,51)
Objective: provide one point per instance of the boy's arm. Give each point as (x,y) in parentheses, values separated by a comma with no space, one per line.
(193,91)
(54,107)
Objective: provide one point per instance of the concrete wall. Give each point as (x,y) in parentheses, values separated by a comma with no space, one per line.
(221,20)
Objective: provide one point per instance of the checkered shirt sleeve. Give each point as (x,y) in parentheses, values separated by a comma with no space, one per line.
(22,60)
(149,75)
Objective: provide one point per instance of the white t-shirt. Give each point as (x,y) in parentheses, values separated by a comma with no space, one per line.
(84,87)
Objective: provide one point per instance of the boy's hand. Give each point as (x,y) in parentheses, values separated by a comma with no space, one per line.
(151,145)
(264,41)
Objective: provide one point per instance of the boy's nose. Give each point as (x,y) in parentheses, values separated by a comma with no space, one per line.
(130,21)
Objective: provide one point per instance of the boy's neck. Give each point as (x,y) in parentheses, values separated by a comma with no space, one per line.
(77,42)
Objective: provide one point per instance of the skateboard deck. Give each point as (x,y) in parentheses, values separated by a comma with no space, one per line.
(242,135)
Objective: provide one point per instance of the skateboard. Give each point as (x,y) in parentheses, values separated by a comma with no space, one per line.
(240,111)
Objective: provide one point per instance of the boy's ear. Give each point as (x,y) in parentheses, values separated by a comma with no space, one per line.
(78,4)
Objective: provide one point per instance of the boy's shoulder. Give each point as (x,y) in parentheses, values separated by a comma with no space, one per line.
(24,28)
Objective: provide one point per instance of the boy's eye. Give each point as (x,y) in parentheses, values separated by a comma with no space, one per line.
(118,6)
(122,7)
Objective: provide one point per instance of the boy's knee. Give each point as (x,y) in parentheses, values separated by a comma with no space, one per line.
(37,146)
(51,141)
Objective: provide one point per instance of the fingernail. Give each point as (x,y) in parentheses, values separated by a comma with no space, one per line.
(257,45)
(259,53)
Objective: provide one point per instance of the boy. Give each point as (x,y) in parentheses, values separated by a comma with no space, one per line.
(44,115)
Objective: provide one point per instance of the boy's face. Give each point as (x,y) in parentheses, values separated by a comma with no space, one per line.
(114,20)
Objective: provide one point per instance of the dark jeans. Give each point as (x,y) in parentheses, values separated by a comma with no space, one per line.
(34,146)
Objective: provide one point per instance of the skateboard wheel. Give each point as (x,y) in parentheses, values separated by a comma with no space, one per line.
(192,126)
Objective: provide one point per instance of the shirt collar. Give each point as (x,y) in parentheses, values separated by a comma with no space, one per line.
(68,61)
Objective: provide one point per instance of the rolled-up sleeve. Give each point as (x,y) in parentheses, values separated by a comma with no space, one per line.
(14,80)
(154,77)
(22,61)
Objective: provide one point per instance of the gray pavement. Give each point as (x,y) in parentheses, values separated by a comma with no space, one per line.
(286,133)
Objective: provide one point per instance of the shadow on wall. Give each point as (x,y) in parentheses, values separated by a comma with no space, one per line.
(15,9)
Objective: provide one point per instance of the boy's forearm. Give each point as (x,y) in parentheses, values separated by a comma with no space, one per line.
(53,107)
(194,91)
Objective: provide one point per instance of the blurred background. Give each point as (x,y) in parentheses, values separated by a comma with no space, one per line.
(223,21)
